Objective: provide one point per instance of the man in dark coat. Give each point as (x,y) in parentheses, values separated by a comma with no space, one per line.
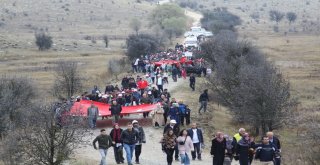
(115,109)
(129,137)
(266,152)
(141,139)
(276,142)
(218,149)
(197,139)
(192,80)
(203,99)
(242,150)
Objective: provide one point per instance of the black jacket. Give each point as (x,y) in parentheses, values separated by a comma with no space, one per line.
(104,141)
(192,79)
(204,97)
(199,132)
(276,142)
(115,109)
(129,137)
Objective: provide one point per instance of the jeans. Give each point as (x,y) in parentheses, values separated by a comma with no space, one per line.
(204,106)
(137,152)
(118,154)
(160,88)
(182,116)
(185,159)
(103,153)
(129,148)
(176,152)
(169,152)
(197,151)
(92,122)
(188,119)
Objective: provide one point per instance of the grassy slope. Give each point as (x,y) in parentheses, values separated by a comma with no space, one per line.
(19,54)
(295,54)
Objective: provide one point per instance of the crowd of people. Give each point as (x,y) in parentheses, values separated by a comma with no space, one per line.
(184,145)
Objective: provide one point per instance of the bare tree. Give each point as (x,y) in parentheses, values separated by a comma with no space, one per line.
(116,67)
(135,24)
(16,94)
(106,40)
(255,92)
(276,16)
(291,16)
(68,80)
(48,139)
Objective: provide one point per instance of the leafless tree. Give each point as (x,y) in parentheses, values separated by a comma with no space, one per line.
(68,80)
(252,88)
(116,67)
(49,138)
(106,40)
(291,16)
(135,24)
(16,94)
(276,15)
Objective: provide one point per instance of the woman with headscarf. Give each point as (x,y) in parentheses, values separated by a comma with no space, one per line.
(218,149)
(242,150)
(157,116)
(117,143)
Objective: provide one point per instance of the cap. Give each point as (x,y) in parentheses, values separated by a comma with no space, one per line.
(134,121)
(120,94)
(173,121)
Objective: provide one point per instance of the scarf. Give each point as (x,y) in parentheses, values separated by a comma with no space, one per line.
(116,135)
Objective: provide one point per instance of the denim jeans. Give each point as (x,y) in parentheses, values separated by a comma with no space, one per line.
(103,153)
(185,159)
(204,106)
(129,148)
(92,122)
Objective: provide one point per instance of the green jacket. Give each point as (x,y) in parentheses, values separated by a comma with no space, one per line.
(104,141)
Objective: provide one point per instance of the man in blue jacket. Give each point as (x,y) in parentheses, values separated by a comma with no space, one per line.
(197,138)
(266,152)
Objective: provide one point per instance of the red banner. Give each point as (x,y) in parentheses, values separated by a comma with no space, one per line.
(80,108)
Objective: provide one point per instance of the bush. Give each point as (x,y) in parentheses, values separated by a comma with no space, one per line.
(291,16)
(43,41)
(219,19)
(141,44)
(276,15)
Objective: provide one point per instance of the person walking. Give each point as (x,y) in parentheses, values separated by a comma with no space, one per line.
(174,113)
(185,145)
(237,137)
(115,135)
(104,142)
(115,109)
(242,150)
(129,137)
(168,145)
(157,116)
(188,113)
(192,80)
(159,83)
(176,129)
(265,152)
(203,99)
(92,113)
(182,112)
(276,142)
(141,139)
(197,140)
(218,149)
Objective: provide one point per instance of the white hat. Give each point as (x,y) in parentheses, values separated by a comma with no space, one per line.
(120,94)
(134,121)
(149,92)
(123,92)
(173,121)
(135,90)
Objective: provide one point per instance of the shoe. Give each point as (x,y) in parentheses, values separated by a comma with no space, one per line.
(193,158)
(199,159)
(177,159)
(137,162)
